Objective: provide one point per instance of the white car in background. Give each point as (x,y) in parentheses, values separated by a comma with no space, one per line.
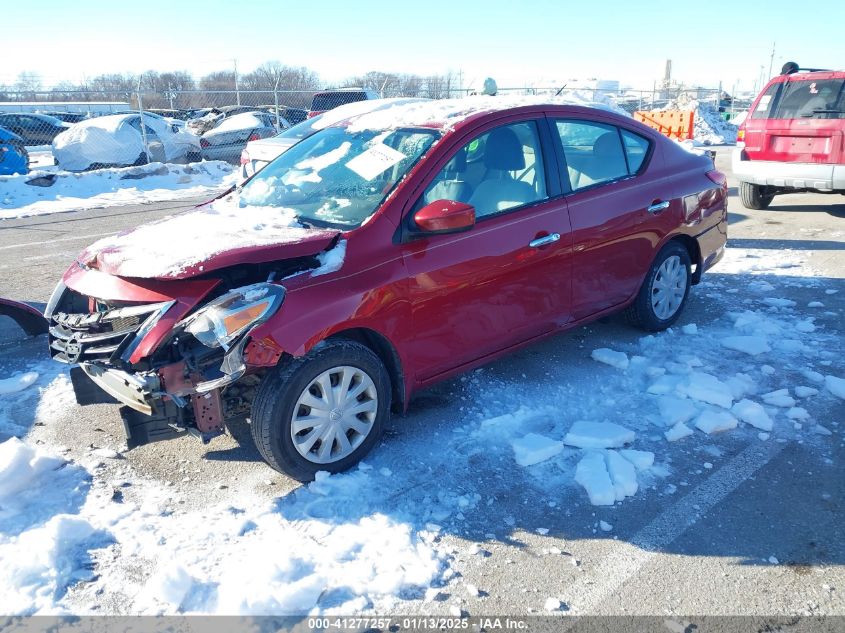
(119,140)
(257,154)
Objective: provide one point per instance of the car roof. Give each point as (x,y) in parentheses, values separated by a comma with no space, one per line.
(814,75)
(447,114)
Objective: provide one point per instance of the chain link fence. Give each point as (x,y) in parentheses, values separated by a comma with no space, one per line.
(78,130)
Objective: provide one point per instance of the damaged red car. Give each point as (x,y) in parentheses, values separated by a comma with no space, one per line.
(382,254)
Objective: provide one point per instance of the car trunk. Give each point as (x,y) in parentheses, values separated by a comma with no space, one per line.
(800,120)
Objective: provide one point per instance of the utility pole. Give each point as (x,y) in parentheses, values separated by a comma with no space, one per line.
(237,90)
(772,60)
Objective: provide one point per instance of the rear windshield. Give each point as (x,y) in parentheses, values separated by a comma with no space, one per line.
(329,100)
(802,99)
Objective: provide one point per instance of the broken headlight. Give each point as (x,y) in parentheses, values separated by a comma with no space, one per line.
(222,321)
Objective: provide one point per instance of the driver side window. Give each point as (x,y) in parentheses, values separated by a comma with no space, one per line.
(497,171)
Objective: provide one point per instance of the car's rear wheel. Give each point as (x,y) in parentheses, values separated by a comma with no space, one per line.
(664,292)
(755,197)
(323,411)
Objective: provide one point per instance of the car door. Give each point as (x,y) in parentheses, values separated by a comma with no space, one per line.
(507,279)
(37,131)
(610,196)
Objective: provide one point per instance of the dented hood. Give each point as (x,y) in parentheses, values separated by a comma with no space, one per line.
(206,239)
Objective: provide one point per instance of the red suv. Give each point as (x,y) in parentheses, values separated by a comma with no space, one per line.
(793,139)
(380,255)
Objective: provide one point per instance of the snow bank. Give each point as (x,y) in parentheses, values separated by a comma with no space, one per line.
(710,128)
(111,187)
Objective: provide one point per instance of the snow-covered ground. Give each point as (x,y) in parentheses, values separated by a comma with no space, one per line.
(751,365)
(55,191)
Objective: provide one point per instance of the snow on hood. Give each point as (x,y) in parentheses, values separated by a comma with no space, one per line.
(450,112)
(209,238)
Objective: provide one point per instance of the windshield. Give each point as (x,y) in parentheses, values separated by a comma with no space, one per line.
(300,130)
(336,177)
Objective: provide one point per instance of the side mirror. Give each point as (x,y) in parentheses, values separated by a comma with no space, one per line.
(445,216)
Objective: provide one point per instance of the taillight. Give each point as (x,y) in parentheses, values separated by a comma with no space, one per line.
(718,177)
(204,143)
(254,137)
(244,157)
(312,113)
(740,136)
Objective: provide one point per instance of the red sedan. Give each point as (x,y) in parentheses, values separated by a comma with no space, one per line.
(383,254)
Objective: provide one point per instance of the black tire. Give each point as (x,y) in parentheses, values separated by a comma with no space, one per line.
(641,313)
(272,410)
(755,196)
(193,157)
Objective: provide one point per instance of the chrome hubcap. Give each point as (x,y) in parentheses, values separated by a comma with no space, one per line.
(669,287)
(334,414)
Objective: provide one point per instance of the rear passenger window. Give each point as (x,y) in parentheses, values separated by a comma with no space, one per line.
(767,102)
(593,153)
(636,149)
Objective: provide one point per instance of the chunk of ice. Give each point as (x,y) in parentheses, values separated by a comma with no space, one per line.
(805,392)
(610,357)
(605,526)
(752,413)
(533,448)
(690,328)
(680,430)
(835,385)
(674,409)
(779,398)
(752,345)
(18,382)
(622,474)
(715,421)
(598,435)
(591,473)
(706,388)
(798,413)
(642,460)
(777,302)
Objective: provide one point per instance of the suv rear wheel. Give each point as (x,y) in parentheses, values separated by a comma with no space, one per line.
(323,411)
(755,196)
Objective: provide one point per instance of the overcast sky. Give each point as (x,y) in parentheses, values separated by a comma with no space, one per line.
(532,42)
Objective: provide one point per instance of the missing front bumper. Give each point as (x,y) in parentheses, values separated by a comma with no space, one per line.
(133,390)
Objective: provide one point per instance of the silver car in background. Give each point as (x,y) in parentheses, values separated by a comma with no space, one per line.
(227,140)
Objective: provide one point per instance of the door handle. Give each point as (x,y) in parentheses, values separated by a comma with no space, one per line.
(544,241)
(657,207)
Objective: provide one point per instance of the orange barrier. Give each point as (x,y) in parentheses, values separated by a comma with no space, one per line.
(671,123)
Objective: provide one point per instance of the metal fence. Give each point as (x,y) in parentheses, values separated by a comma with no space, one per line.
(182,126)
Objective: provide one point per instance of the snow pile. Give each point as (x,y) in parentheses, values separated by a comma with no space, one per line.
(710,128)
(43,546)
(110,187)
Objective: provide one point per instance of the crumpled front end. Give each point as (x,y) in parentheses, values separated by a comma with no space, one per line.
(151,346)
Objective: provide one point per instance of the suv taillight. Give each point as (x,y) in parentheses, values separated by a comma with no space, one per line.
(253,137)
(718,177)
(740,136)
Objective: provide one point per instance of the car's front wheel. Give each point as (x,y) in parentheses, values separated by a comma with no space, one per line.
(755,197)
(323,411)
(664,292)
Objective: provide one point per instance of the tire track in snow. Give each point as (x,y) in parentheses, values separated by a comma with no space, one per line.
(612,571)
